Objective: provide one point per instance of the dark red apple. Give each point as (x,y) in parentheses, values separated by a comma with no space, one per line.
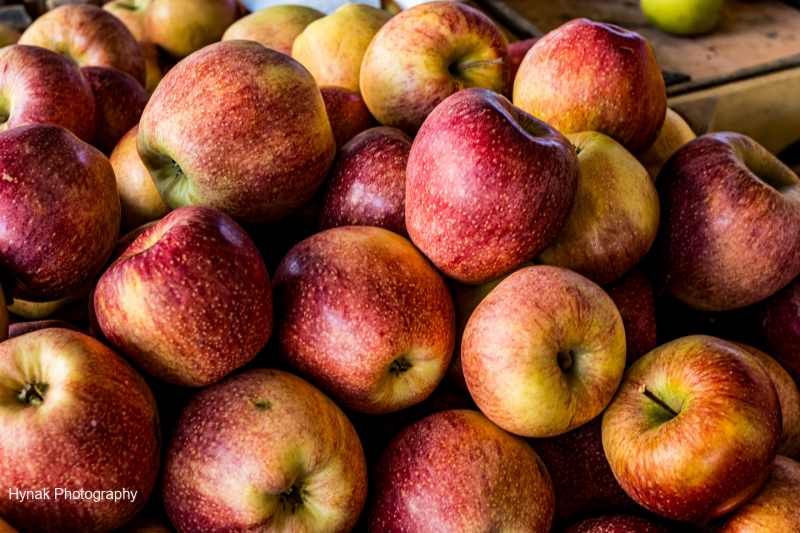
(780,327)
(516,53)
(347,113)
(616,524)
(633,295)
(21,328)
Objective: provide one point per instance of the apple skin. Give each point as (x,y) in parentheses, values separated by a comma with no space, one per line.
(590,76)
(727,238)
(488,186)
(38,310)
(616,524)
(146,525)
(347,113)
(788,397)
(162,301)
(779,326)
(182,27)
(615,219)
(42,87)
(634,297)
(242,444)
(516,53)
(21,328)
(427,53)
(716,454)
(88,36)
(269,152)
(8,36)
(367,184)
(53,253)
(544,352)
(137,192)
(276,26)
(683,17)
(97,428)
(120,101)
(457,471)
(362,313)
(4,328)
(674,134)
(774,508)
(583,482)
(332,48)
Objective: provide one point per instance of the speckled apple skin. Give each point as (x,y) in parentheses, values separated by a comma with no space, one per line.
(408,69)
(487,186)
(779,325)
(583,483)
(727,239)
(276,26)
(634,297)
(97,429)
(510,348)
(350,301)
(347,113)
(774,509)
(42,87)
(456,471)
(616,524)
(715,455)
(591,76)
(267,148)
(229,460)
(189,301)
(367,184)
(56,232)
(89,36)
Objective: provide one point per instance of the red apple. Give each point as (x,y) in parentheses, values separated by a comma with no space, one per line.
(182,27)
(42,87)
(21,328)
(779,326)
(88,36)
(591,76)
(57,232)
(730,223)
(277,26)
(145,525)
(544,352)
(694,428)
(457,471)
(267,151)
(367,184)
(634,297)
(120,101)
(616,524)
(362,313)
(93,424)
(427,53)
(264,449)
(488,187)
(516,53)
(4,331)
(347,113)
(189,301)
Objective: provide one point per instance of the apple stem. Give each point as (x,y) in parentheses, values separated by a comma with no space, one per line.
(463,66)
(32,394)
(658,401)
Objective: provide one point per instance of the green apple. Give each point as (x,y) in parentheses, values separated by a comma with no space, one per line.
(683,17)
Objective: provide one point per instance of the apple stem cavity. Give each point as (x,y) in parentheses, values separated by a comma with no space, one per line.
(32,394)
(565,360)
(658,401)
(294,497)
(400,365)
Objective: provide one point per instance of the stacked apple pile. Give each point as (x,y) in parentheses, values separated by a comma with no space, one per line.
(458,243)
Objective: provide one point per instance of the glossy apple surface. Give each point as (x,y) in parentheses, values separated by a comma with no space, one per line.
(347,113)
(779,326)
(182,27)
(276,26)
(674,134)
(634,297)
(488,186)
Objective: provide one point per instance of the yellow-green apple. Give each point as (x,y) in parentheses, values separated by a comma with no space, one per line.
(347,113)
(21,328)
(57,232)
(362,313)
(779,326)
(674,134)
(788,397)
(583,483)
(488,186)
(8,35)
(94,425)
(457,471)
(774,509)
(276,26)
(161,303)
(41,87)
(616,524)
(120,101)
(544,352)
(182,27)
(427,53)
(332,48)
(591,76)
(264,449)
(615,219)
(137,192)
(730,223)
(367,184)
(267,153)
(516,53)
(694,428)
(683,17)
(35,310)
(89,37)
(635,300)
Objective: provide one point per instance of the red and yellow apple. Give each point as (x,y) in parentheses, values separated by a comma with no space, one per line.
(182,27)
(276,26)
(674,134)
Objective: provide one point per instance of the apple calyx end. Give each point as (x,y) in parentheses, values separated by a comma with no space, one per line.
(294,498)
(32,393)
(565,360)
(400,365)
(658,401)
